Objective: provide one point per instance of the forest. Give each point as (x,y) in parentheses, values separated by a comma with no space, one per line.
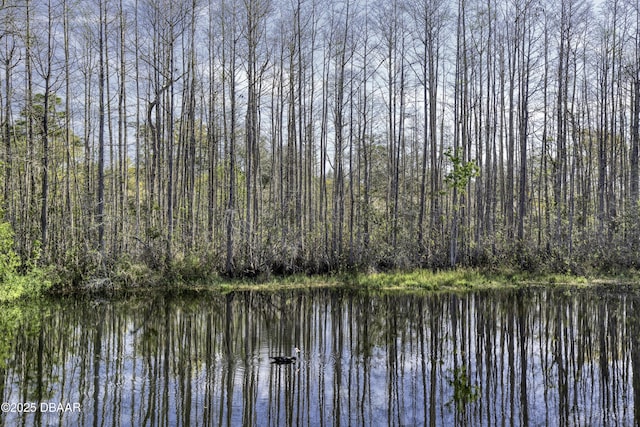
(247,137)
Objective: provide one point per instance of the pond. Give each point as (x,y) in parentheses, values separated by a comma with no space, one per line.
(512,357)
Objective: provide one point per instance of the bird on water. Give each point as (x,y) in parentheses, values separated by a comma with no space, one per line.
(285,360)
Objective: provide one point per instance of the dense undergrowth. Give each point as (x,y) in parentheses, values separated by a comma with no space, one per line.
(89,271)
(193,272)
(149,266)
(19,279)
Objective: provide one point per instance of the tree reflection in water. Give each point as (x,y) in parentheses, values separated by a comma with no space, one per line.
(529,356)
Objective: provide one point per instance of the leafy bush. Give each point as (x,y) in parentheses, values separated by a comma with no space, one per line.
(128,273)
(13,284)
(9,260)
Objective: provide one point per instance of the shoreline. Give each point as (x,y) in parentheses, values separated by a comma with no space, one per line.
(458,280)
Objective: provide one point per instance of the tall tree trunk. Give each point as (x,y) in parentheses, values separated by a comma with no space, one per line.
(101,129)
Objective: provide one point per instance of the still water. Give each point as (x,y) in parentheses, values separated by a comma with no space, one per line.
(523,357)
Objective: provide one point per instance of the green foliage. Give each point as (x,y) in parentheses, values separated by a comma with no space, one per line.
(13,283)
(462,172)
(464,279)
(37,114)
(463,391)
(425,279)
(127,273)
(189,268)
(9,260)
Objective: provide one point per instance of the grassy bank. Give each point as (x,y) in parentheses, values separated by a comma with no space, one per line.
(474,279)
(136,278)
(463,279)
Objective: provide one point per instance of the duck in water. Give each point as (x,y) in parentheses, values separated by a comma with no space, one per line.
(285,360)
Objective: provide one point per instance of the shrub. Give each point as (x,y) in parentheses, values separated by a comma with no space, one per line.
(9,260)
(13,284)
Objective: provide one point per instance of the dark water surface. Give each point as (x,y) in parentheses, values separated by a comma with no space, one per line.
(524,357)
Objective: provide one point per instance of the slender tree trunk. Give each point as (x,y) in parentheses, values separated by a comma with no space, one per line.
(229,61)
(123,175)
(101,129)
(524,126)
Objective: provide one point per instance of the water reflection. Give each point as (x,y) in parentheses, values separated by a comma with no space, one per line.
(526,357)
